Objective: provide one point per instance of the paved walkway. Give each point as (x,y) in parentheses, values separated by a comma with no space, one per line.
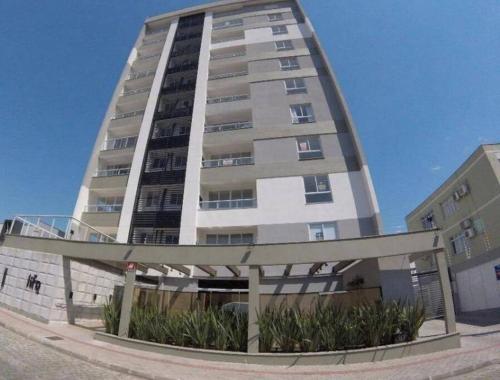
(480,350)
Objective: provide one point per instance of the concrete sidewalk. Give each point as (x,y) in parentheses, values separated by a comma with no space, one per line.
(480,348)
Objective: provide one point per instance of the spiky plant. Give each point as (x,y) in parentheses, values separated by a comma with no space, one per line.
(111,316)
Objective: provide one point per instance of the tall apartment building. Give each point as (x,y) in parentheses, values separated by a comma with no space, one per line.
(466,207)
(228,126)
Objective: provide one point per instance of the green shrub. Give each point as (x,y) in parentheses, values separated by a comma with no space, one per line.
(111,316)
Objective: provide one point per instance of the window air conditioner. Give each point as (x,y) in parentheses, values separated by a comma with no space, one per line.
(465,224)
(470,233)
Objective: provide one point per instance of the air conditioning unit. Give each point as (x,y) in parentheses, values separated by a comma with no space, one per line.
(463,190)
(465,224)
(456,195)
(469,233)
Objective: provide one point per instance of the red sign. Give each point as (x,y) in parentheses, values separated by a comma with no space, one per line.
(131,267)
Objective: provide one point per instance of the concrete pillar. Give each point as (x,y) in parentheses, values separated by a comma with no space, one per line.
(253,308)
(444,279)
(128,295)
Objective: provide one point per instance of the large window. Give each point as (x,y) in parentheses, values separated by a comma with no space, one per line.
(295,86)
(449,207)
(323,231)
(289,63)
(302,113)
(317,189)
(275,16)
(459,243)
(224,239)
(284,45)
(279,29)
(309,147)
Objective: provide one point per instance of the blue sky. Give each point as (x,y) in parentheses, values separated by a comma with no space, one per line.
(421,78)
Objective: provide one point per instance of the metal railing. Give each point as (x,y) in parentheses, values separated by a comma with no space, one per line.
(228,75)
(120,143)
(227,162)
(227,55)
(228,127)
(187,36)
(141,74)
(216,40)
(112,172)
(104,208)
(228,24)
(225,99)
(128,114)
(157,31)
(180,68)
(56,227)
(310,154)
(145,57)
(228,204)
(138,91)
(152,42)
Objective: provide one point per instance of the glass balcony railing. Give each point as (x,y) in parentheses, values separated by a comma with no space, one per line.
(228,24)
(228,75)
(228,162)
(156,31)
(225,99)
(127,114)
(216,40)
(228,204)
(152,42)
(103,208)
(228,127)
(112,172)
(145,57)
(138,91)
(227,55)
(141,74)
(120,143)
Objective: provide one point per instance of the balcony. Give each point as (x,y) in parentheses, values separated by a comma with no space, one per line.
(225,99)
(228,204)
(228,162)
(215,57)
(141,74)
(228,127)
(228,75)
(155,32)
(226,37)
(112,172)
(182,68)
(228,24)
(133,98)
(127,115)
(179,88)
(187,36)
(120,143)
(109,181)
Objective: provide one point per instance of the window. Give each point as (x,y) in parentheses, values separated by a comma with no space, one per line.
(449,207)
(289,63)
(322,231)
(309,147)
(428,222)
(295,86)
(224,239)
(317,189)
(302,113)
(284,45)
(279,29)
(459,243)
(478,225)
(275,16)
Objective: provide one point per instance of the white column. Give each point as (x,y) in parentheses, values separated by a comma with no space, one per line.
(187,233)
(142,139)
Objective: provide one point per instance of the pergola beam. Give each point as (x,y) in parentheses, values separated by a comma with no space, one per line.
(234,270)
(287,271)
(315,267)
(345,266)
(208,269)
(180,268)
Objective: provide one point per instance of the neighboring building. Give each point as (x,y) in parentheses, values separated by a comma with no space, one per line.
(466,207)
(228,126)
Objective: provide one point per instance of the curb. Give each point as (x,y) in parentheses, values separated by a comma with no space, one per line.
(465,370)
(83,357)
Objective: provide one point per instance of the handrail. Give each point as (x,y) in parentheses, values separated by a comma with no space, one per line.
(141,74)
(115,207)
(228,126)
(118,171)
(227,162)
(120,143)
(128,114)
(228,75)
(228,204)
(225,99)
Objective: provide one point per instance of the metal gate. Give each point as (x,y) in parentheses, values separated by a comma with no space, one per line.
(427,290)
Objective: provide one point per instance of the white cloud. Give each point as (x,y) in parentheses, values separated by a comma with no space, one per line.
(436,168)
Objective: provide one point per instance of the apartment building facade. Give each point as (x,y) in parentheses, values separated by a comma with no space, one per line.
(466,207)
(228,126)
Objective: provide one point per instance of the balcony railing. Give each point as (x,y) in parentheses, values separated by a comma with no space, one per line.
(228,204)
(127,114)
(120,143)
(310,154)
(228,24)
(152,42)
(179,88)
(145,57)
(167,114)
(138,91)
(141,74)
(157,31)
(104,208)
(187,36)
(228,75)
(185,51)
(225,99)
(228,127)
(112,172)
(227,55)
(180,68)
(228,38)
(228,162)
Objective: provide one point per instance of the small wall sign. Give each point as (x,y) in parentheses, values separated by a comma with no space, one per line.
(131,267)
(33,283)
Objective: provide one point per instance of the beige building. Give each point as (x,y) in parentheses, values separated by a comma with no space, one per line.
(466,207)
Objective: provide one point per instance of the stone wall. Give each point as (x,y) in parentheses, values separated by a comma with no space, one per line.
(46,297)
